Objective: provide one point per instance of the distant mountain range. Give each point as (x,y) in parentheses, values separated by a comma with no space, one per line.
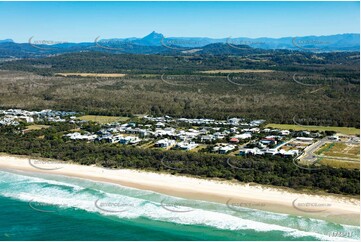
(156,43)
(340,42)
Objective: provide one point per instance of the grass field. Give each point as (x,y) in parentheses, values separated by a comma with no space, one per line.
(199,147)
(103,119)
(147,145)
(341,150)
(324,148)
(340,164)
(342,130)
(37,127)
(91,74)
(340,155)
(235,71)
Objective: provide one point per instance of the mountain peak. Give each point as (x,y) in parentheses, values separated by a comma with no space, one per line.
(153,35)
(153,38)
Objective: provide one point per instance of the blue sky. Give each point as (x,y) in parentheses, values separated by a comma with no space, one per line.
(84,21)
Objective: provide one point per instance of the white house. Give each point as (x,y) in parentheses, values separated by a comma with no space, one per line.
(285,132)
(234,121)
(187,146)
(308,139)
(160,125)
(205,138)
(218,135)
(79,136)
(271,151)
(243,136)
(226,149)
(129,140)
(165,143)
(27,119)
(288,152)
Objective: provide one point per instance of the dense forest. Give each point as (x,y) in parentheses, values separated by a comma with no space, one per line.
(263,170)
(175,63)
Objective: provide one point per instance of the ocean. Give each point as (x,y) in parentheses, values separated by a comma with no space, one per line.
(51,207)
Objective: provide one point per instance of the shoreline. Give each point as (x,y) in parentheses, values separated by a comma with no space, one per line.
(332,208)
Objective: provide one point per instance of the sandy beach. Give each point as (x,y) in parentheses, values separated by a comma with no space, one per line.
(335,208)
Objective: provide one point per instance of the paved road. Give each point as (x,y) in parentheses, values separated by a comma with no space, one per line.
(308,155)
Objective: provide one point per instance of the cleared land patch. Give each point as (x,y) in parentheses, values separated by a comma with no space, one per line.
(340,155)
(340,164)
(342,130)
(236,71)
(103,119)
(91,74)
(37,127)
(341,150)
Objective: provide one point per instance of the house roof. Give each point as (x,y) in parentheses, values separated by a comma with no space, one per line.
(269,139)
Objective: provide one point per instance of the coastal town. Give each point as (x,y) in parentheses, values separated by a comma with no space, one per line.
(180,121)
(234,136)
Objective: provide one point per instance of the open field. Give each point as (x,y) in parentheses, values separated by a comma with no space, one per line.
(340,155)
(342,130)
(147,145)
(199,147)
(235,71)
(37,127)
(340,150)
(103,119)
(91,74)
(340,164)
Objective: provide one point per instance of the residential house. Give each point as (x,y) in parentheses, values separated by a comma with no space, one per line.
(186,145)
(305,139)
(165,143)
(129,140)
(234,121)
(207,138)
(234,140)
(271,152)
(253,151)
(226,149)
(160,125)
(285,132)
(79,136)
(268,141)
(243,136)
(219,135)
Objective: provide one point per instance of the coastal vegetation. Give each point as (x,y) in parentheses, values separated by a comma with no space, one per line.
(268,170)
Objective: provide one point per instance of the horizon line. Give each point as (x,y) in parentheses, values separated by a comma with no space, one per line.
(166,37)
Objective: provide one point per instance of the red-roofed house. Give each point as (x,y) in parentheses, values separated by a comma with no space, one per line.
(234,140)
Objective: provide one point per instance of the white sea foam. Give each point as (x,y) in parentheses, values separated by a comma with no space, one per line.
(135,203)
(7,177)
